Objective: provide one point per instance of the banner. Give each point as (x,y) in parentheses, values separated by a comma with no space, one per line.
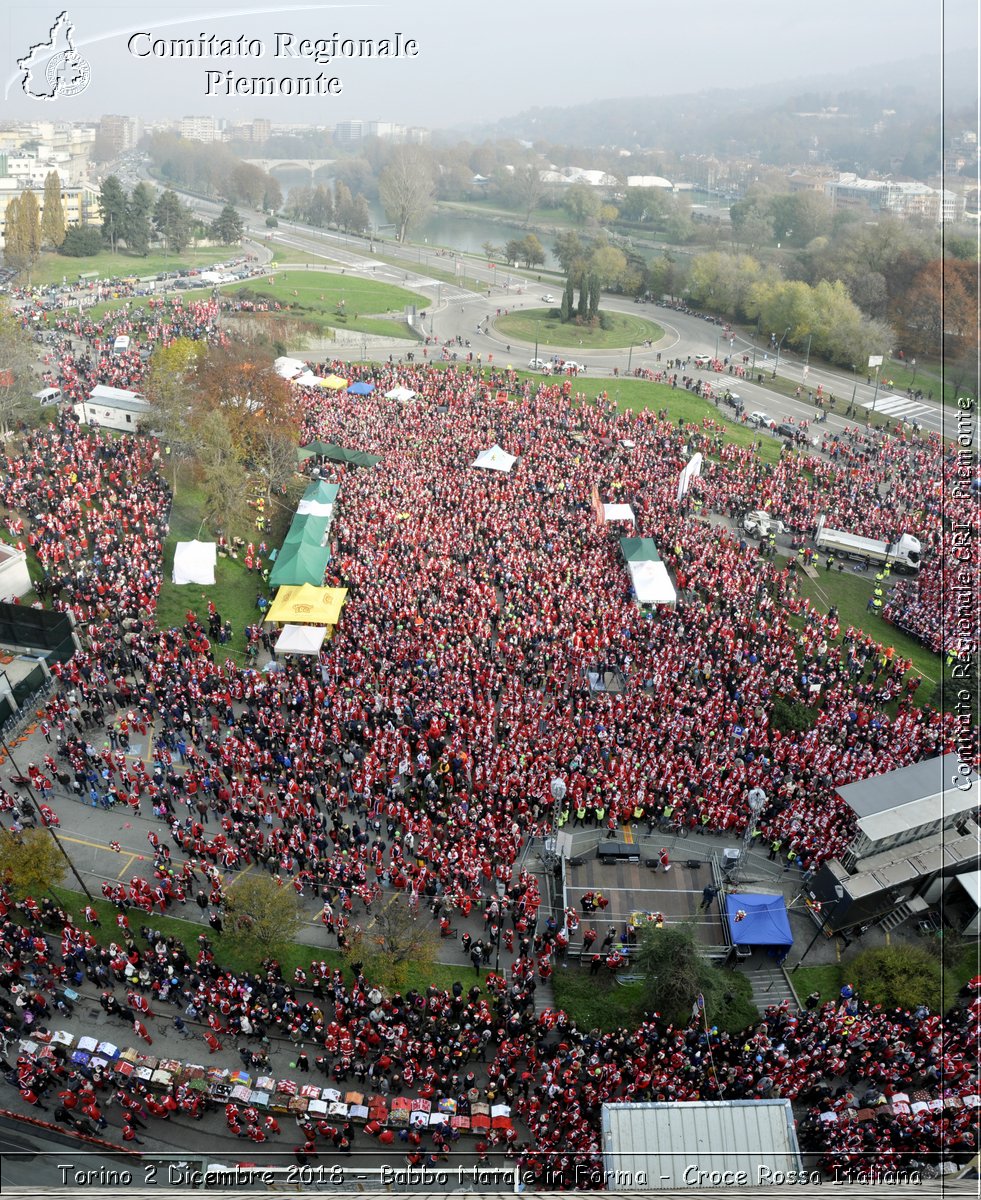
(692,469)
(598,505)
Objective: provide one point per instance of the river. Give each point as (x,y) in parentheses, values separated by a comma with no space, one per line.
(467,233)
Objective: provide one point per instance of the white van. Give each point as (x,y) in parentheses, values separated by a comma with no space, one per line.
(48,396)
(120,344)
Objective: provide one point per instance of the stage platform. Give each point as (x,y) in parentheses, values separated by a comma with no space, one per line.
(634,887)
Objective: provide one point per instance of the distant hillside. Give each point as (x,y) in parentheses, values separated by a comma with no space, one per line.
(868,122)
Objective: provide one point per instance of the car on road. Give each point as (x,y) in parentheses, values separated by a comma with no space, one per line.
(702,360)
(539,364)
(788,429)
(569,365)
(548,298)
(759,419)
(734,400)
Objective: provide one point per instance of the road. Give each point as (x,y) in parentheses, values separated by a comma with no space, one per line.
(455,312)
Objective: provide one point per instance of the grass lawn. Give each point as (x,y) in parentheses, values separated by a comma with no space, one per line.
(960,965)
(597,1001)
(298,955)
(52,268)
(927,378)
(539,324)
(235,588)
(851,592)
(332,301)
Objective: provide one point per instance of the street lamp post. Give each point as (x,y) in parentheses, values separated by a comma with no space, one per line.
(550,857)
(537,324)
(839,896)
(912,363)
(779,344)
(630,358)
(45,825)
(807,355)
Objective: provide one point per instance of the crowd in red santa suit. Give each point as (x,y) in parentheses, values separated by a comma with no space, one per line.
(417,754)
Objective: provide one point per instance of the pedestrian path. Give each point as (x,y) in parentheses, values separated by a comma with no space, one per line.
(771,986)
(897,406)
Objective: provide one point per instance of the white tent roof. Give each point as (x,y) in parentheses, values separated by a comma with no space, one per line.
(652,583)
(400,393)
(301,639)
(619,512)
(194,562)
(102,391)
(314,508)
(494,459)
(308,379)
(288,367)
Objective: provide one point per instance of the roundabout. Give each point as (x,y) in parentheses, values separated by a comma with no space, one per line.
(544,327)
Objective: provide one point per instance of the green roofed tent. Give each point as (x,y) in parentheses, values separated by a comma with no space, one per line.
(649,576)
(639,550)
(339,454)
(300,562)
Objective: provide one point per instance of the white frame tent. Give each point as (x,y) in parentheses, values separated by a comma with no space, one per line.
(619,512)
(494,459)
(194,562)
(301,639)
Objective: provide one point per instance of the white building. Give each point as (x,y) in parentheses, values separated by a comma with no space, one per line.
(906,201)
(15,580)
(113,408)
(201,129)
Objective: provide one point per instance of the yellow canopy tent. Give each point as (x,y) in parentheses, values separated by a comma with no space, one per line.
(334,382)
(307,605)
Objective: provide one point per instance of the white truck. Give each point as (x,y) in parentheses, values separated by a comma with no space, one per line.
(904,554)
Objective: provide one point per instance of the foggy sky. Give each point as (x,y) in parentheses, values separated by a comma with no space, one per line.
(480,62)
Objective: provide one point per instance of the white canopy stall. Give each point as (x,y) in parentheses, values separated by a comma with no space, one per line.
(194,562)
(301,639)
(494,459)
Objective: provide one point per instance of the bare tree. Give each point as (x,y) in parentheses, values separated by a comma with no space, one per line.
(405,188)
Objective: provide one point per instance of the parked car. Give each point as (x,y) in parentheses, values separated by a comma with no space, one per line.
(702,360)
(759,419)
(734,401)
(539,364)
(788,429)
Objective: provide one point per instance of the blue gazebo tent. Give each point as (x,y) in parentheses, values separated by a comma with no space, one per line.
(361,389)
(766,922)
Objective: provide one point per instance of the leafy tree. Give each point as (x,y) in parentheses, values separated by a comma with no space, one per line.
(139,211)
(172,221)
(512,251)
(581,203)
(261,919)
(224,479)
(607,263)
(568,299)
(298,204)
(113,206)
(53,213)
(15,252)
(527,189)
(405,188)
(671,968)
(81,241)
(392,941)
(532,251)
(361,214)
(272,195)
(29,217)
(228,226)
(571,251)
(593,285)
(343,205)
(17,359)
(320,207)
(899,975)
(30,862)
(171,388)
